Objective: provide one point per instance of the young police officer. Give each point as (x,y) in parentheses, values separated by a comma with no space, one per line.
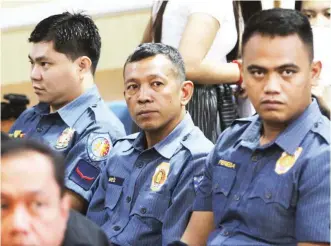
(267,181)
(71,116)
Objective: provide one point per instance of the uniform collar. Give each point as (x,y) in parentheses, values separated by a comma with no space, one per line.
(290,139)
(73,110)
(168,146)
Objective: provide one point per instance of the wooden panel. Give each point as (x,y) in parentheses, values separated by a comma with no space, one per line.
(109,82)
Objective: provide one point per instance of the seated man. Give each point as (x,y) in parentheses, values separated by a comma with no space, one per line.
(145,193)
(34,205)
(267,181)
(71,116)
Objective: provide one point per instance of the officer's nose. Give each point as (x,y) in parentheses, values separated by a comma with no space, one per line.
(35,74)
(145,94)
(272,85)
(20,220)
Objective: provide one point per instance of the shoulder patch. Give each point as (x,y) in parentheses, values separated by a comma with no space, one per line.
(98,146)
(84,174)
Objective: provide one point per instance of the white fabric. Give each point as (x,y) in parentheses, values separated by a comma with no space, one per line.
(177,13)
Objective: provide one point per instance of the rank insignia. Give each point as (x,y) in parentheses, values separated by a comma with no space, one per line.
(65,137)
(17,134)
(160,176)
(99,146)
(286,161)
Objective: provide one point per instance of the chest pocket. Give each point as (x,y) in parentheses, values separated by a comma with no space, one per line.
(223,181)
(274,189)
(151,205)
(113,194)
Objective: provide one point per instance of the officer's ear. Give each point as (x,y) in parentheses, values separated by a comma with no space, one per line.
(84,64)
(187,88)
(316,68)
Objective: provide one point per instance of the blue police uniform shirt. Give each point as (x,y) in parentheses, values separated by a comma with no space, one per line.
(275,194)
(83,131)
(145,197)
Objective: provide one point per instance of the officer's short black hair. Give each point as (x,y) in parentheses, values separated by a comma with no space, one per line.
(13,146)
(74,35)
(147,50)
(280,22)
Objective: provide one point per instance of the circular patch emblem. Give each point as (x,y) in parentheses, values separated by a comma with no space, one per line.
(100,147)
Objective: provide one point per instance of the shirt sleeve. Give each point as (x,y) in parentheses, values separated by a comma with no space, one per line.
(313,206)
(179,212)
(85,161)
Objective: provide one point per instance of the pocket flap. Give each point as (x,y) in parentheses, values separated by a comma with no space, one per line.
(223,180)
(151,204)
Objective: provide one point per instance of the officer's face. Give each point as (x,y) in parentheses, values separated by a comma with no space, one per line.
(278,76)
(55,78)
(318,12)
(32,212)
(155,97)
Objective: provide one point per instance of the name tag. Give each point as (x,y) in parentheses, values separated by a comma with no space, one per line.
(116,180)
(227,164)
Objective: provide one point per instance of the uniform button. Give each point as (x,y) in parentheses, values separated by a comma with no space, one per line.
(254,157)
(94,105)
(185,138)
(268,195)
(139,164)
(117,228)
(143,210)
(128,199)
(316,125)
(39,129)
(236,198)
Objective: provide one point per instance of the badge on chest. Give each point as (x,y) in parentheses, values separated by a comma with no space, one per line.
(64,139)
(160,176)
(286,161)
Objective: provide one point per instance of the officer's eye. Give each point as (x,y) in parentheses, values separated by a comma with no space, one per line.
(36,205)
(4,206)
(131,87)
(288,72)
(257,73)
(44,64)
(157,84)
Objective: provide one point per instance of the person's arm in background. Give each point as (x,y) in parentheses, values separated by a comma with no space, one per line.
(198,36)
(323,96)
(147,37)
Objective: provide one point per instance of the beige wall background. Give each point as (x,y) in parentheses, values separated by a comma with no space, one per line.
(120,32)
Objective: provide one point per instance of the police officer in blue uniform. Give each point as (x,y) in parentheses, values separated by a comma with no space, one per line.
(71,117)
(267,181)
(145,194)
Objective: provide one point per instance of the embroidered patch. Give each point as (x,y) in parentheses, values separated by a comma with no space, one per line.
(98,145)
(17,134)
(64,139)
(84,174)
(286,161)
(196,182)
(227,164)
(160,176)
(116,180)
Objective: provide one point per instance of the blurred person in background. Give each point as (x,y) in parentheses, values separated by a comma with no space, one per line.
(71,116)
(206,36)
(318,13)
(35,208)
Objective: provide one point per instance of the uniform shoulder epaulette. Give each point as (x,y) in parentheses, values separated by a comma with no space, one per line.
(322,128)
(128,137)
(245,120)
(196,142)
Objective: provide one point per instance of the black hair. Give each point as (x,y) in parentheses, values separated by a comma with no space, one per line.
(13,146)
(74,35)
(280,22)
(298,5)
(146,50)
